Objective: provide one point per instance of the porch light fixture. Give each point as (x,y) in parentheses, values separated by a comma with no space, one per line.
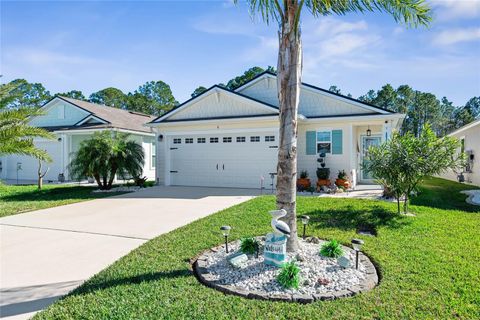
(160,137)
(305,220)
(226,231)
(357,246)
(59,139)
(369,132)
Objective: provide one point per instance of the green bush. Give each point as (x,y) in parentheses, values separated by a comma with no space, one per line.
(304,174)
(331,249)
(323,173)
(249,245)
(342,175)
(289,276)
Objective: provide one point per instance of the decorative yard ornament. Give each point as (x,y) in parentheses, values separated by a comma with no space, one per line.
(275,251)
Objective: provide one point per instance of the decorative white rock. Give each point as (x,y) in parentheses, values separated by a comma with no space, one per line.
(322,278)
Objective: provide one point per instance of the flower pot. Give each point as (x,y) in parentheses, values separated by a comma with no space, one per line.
(323,182)
(342,183)
(303,183)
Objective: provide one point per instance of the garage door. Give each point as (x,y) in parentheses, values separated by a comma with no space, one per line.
(227,160)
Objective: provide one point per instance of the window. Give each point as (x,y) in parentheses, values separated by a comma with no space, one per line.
(153,152)
(227,139)
(255,139)
(177,140)
(188,140)
(213,140)
(240,139)
(269,138)
(324,141)
(200,140)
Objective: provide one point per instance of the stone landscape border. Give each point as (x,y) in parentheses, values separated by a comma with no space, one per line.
(201,272)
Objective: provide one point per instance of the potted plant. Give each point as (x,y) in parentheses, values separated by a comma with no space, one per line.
(303,182)
(342,179)
(323,175)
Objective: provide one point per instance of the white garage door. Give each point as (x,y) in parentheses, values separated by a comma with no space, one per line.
(223,160)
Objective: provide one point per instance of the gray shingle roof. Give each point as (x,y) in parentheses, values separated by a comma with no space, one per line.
(116,118)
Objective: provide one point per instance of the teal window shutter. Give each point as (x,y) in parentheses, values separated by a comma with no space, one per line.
(337,141)
(311,143)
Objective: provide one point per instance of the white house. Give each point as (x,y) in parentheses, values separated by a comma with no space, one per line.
(224,138)
(73,121)
(469,136)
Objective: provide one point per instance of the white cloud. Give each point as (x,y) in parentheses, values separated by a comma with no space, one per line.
(335,41)
(265,51)
(334,26)
(456,9)
(398,30)
(454,36)
(216,25)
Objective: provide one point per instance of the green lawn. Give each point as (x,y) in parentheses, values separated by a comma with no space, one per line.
(18,199)
(429,265)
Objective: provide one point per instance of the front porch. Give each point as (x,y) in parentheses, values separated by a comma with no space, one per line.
(344,145)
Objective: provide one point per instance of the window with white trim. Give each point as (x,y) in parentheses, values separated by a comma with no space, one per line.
(201,140)
(188,140)
(269,138)
(255,139)
(240,139)
(227,139)
(324,141)
(213,140)
(153,152)
(177,140)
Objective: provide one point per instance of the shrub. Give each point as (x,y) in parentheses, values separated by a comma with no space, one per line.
(331,249)
(289,276)
(304,174)
(402,162)
(310,189)
(342,175)
(249,245)
(323,173)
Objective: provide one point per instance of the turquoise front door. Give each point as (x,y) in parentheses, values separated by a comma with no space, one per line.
(367,142)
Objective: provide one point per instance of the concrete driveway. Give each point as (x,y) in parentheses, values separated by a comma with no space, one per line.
(47,253)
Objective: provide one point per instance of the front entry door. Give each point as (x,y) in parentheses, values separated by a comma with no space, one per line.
(367,142)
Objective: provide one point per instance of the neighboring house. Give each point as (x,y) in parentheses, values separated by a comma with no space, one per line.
(469,136)
(224,138)
(73,121)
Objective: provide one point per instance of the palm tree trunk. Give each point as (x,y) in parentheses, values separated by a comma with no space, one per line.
(97,179)
(113,171)
(288,81)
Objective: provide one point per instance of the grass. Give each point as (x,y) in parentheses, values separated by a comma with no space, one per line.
(428,265)
(23,198)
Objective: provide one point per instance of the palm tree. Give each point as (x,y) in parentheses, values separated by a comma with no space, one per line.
(106,155)
(289,70)
(16,135)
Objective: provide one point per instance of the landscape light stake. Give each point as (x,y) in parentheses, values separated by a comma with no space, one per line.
(226,232)
(357,246)
(305,220)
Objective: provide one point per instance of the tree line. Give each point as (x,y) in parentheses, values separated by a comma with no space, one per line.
(156,98)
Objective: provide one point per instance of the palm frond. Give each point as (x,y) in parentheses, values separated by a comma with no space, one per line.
(268,9)
(16,134)
(410,12)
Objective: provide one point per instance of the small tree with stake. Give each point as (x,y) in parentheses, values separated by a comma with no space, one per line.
(41,175)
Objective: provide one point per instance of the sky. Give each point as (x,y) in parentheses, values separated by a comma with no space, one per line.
(91,45)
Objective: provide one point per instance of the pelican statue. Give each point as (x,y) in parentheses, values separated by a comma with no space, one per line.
(280,228)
